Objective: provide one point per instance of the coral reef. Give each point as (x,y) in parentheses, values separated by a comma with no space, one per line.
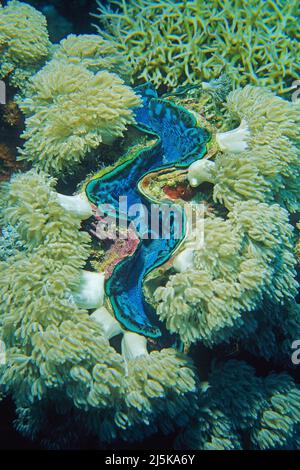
(110,341)
(24,42)
(69,111)
(220,290)
(240,410)
(60,358)
(252,42)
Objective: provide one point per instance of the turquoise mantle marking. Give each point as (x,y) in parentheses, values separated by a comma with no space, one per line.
(179,143)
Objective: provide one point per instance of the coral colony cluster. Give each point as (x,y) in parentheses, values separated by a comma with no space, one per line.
(123,334)
(178,42)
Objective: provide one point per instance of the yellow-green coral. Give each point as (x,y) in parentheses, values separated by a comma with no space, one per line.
(269,170)
(175,43)
(244,259)
(261,158)
(24,42)
(94,53)
(58,357)
(69,111)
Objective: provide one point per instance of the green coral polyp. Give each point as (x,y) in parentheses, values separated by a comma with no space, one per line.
(271,160)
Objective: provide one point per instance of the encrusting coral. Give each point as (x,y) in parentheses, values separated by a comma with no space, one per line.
(251,42)
(240,410)
(57,355)
(69,111)
(94,53)
(24,42)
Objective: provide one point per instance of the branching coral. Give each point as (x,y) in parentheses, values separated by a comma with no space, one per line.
(240,410)
(175,43)
(70,111)
(58,357)
(94,53)
(244,259)
(261,158)
(24,42)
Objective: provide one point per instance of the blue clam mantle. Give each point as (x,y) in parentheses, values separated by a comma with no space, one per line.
(178,143)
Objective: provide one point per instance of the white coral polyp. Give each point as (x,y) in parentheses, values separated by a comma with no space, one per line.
(184,261)
(236,140)
(133,346)
(111,327)
(90,294)
(77,205)
(201,171)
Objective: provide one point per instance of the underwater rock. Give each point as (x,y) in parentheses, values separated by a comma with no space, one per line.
(58,25)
